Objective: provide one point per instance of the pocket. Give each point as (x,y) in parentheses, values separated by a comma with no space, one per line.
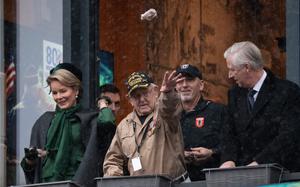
(128,144)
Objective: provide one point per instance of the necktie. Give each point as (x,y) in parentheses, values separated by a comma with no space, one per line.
(251,100)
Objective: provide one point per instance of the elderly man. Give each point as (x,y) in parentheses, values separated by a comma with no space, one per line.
(264,113)
(149,139)
(201,123)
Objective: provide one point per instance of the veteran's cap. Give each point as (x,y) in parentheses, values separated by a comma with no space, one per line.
(137,80)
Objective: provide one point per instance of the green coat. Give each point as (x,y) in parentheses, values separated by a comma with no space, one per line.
(95,137)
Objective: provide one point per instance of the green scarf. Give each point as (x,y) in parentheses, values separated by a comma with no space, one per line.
(58,144)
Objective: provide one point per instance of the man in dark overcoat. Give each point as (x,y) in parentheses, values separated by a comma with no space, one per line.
(264,110)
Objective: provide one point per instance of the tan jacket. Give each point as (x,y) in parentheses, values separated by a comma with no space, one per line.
(162,151)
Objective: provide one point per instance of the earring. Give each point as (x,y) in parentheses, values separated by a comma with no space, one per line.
(76,96)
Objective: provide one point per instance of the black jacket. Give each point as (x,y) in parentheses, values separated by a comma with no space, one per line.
(268,134)
(202,128)
(95,137)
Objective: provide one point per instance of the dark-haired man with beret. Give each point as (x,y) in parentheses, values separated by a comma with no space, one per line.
(149,139)
(201,122)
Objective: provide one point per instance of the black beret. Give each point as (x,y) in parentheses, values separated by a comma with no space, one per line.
(69,67)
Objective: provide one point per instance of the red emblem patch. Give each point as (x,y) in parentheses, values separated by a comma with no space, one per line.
(199,122)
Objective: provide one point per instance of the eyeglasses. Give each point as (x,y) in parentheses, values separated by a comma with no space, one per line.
(138,94)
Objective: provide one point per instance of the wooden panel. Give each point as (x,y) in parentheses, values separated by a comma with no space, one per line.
(10,10)
(196,32)
(122,33)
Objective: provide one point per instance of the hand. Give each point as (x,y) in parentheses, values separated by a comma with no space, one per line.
(170,80)
(189,157)
(254,163)
(188,154)
(42,153)
(32,153)
(103,102)
(201,153)
(228,164)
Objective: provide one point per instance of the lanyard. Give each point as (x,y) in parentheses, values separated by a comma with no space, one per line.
(143,137)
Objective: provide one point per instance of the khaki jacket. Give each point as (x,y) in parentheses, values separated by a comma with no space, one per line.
(161,152)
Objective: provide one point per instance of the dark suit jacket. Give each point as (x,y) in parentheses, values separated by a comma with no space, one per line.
(269,133)
(95,137)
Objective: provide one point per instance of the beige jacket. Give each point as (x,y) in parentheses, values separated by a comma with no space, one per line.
(161,152)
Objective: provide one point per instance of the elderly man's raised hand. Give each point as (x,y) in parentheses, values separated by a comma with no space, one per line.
(170,80)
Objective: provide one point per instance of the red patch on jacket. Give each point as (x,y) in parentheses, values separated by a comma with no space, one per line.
(199,122)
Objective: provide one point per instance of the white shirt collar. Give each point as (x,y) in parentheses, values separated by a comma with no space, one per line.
(259,83)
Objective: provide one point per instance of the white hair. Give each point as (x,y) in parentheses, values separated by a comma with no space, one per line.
(244,53)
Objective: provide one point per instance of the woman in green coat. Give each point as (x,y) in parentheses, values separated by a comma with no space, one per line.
(70,143)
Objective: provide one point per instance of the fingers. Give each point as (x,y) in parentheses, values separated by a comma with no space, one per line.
(103,103)
(202,150)
(196,148)
(195,155)
(199,157)
(164,86)
(178,77)
(41,153)
(166,75)
(173,76)
(188,154)
(201,153)
(228,164)
(253,164)
(170,80)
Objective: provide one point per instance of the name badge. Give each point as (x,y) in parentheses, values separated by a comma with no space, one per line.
(136,163)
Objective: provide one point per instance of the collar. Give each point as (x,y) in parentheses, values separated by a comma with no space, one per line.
(135,118)
(201,105)
(259,83)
